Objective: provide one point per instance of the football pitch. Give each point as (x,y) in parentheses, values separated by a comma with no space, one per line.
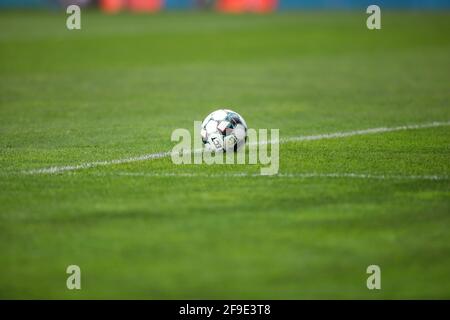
(86,103)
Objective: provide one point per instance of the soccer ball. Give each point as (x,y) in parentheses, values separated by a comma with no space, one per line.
(223,130)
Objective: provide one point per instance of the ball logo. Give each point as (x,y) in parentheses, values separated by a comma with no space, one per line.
(216,142)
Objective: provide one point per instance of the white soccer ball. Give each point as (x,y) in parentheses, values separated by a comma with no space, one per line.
(223,130)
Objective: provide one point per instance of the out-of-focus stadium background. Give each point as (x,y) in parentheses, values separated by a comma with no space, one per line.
(235,6)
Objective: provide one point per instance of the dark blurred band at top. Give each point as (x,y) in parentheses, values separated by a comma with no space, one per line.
(229,6)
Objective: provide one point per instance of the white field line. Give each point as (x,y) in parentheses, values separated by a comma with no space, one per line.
(159,155)
(280,175)
(366,131)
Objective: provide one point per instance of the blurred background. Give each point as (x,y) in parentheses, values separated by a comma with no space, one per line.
(230,6)
(118,88)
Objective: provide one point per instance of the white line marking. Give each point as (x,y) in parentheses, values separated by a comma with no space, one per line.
(152,156)
(88,165)
(280,175)
(366,131)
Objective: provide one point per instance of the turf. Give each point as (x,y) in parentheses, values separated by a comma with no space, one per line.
(122,84)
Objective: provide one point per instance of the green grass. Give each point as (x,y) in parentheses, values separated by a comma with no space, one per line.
(122,84)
